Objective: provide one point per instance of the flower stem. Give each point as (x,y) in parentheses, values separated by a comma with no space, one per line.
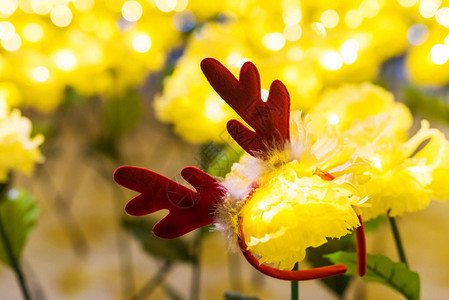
(397,240)
(14,263)
(295,286)
(154,282)
(196,266)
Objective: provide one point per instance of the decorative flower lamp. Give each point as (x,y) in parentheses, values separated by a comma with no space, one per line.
(289,192)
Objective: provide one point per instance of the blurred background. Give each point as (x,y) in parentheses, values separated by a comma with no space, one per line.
(89,85)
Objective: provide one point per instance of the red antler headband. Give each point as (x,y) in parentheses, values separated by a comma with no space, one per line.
(189,210)
(269,119)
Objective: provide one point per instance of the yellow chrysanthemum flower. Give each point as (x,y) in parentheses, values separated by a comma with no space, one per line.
(405,176)
(349,103)
(297,203)
(405,173)
(17,150)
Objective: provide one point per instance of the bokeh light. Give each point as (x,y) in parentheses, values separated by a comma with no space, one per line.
(142,43)
(33,32)
(41,74)
(331,60)
(65,60)
(439,54)
(274,41)
(132,11)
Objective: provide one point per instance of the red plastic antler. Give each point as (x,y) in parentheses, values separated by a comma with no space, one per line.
(188,210)
(270,119)
(361,248)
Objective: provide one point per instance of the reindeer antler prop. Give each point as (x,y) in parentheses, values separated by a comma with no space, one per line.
(189,210)
(269,119)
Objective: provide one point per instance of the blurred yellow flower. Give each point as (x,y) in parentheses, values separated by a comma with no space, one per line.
(95,47)
(18,151)
(306,45)
(350,103)
(404,177)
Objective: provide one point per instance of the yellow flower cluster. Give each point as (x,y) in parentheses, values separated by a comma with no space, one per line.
(96,47)
(306,45)
(18,151)
(428,58)
(103,47)
(351,155)
(405,172)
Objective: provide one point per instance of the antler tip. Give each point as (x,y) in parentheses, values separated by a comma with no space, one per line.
(119,173)
(207,63)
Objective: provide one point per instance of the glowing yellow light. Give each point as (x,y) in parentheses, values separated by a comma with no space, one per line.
(331,60)
(93,54)
(41,74)
(25,6)
(428,8)
(407,3)
(7,30)
(442,16)
(142,43)
(213,109)
(446,40)
(319,29)
(264,95)
(349,50)
(235,59)
(292,16)
(329,18)
(241,62)
(439,54)
(12,44)
(89,22)
(181,5)
(417,34)
(295,54)
(131,11)
(8,7)
(369,8)
(9,95)
(333,119)
(33,32)
(41,7)
(274,41)
(292,32)
(65,60)
(105,29)
(353,18)
(290,75)
(61,15)
(377,163)
(166,5)
(83,5)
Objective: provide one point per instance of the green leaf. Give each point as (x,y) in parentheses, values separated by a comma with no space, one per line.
(236,296)
(316,257)
(217,160)
(432,104)
(381,269)
(166,249)
(18,214)
(121,114)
